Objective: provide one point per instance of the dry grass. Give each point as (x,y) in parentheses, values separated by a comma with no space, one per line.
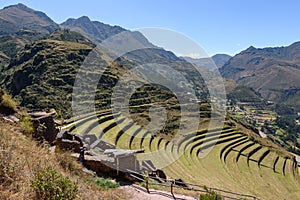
(20,157)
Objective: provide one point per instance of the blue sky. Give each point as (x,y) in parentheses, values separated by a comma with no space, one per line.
(218,26)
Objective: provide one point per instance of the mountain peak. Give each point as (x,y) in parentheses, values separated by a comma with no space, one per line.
(19,16)
(251,48)
(93,29)
(84,18)
(19,6)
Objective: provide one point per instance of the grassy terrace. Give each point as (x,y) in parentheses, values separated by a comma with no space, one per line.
(237,162)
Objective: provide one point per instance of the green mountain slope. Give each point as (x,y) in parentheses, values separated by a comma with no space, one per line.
(42,74)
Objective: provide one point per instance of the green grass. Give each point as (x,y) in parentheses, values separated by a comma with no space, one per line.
(251,174)
(103,183)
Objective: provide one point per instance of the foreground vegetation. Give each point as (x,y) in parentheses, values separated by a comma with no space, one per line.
(31,171)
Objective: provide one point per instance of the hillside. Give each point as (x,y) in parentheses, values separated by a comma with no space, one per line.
(18,169)
(220,59)
(272,72)
(21,26)
(135,48)
(42,75)
(92,29)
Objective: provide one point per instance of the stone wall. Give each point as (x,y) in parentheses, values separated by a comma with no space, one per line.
(45,128)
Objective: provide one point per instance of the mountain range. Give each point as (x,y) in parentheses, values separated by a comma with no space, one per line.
(272,72)
(47,56)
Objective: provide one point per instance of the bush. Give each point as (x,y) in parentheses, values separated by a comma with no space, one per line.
(26,125)
(210,196)
(7,101)
(51,185)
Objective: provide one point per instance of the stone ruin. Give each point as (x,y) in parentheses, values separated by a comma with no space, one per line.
(100,157)
(67,141)
(45,128)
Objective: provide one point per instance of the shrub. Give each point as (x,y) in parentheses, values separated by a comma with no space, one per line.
(211,195)
(7,101)
(26,125)
(51,185)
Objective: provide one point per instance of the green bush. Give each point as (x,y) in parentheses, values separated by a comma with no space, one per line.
(26,125)
(51,185)
(210,196)
(7,101)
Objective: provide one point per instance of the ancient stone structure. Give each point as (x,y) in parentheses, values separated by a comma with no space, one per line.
(45,128)
(67,141)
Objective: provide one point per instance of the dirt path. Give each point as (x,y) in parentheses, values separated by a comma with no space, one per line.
(140,193)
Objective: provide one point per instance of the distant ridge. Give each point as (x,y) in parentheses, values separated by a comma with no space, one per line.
(272,72)
(99,31)
(218,59)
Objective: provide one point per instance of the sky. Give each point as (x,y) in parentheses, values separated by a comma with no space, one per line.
(218,26)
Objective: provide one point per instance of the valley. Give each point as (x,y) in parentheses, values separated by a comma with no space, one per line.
(238,134)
